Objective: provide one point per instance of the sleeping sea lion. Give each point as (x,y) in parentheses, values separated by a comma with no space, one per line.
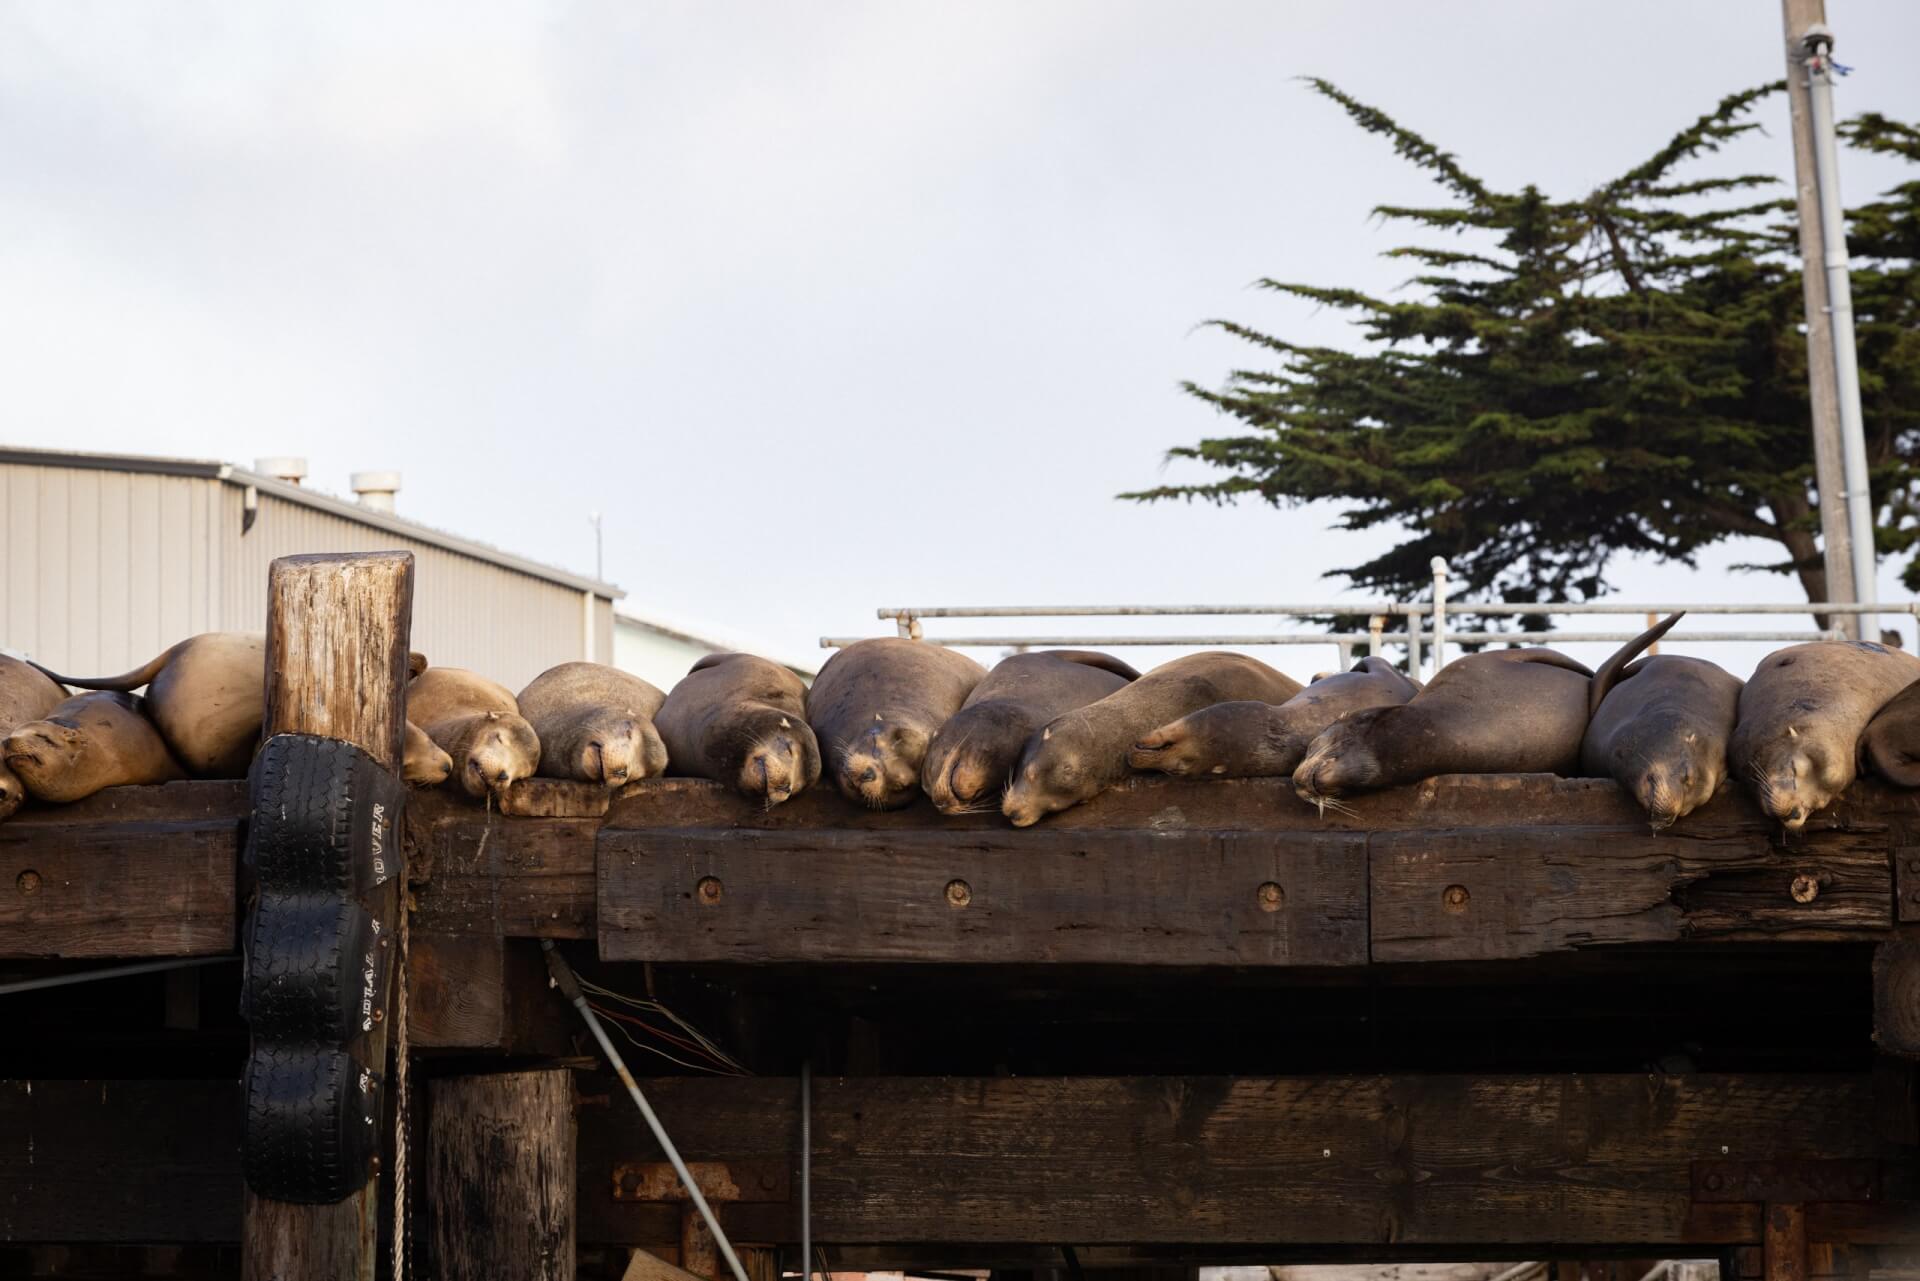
(207,696)
(1659,727)
(595,723)
(1891,743)
(1802,714)
(875,707)
(1505,711)
(973,753)
(423,764)
(87,743)
(478,724)
(741,720)
(1082,753)
(26,694)
(1262,740)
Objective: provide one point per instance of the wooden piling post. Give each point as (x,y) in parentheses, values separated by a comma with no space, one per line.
(338,629)
(501,1176)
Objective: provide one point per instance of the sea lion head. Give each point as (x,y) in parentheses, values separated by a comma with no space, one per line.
(1798,774)
(972,755)
(46,756)
(1057,771)
(881,767)
(424,763)
(1343,758)
(778,754)
(1670,767)
(498,750)
(12,792)
(611,746)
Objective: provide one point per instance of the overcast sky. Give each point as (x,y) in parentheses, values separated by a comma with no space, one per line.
(826,305)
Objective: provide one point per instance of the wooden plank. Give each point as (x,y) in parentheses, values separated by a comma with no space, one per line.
(456,991)
(1896,994)
(1521,1160)
(501,1176)
(1259,804)
(130,889)
(1504,893)
(337,655)
(116,1161)
(1130,898)
(524,878)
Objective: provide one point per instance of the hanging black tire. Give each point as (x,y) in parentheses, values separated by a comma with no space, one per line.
(325,817)
(313,966)
(313,1123)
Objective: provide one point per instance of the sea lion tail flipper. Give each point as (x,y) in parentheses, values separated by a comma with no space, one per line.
(124,683)
(1609,674)
(710,660)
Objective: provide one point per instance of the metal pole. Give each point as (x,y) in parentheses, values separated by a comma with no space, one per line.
(806,1169)
(1846,363)
(1829,464)
(107,972)
(570,988)
(1439,566)
(1375,626)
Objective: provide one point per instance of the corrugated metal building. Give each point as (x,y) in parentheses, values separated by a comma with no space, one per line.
(110,558)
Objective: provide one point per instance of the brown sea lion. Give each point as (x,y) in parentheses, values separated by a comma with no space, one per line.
(26,694)
(1891,743)
(1802,715)
(89,742)
(741,720)
(207,696)
(1659,727)
(875,707)
(973,754)
(1507,711)
(1077,756)
(1262,740)
(423,763)
(478,723)
(595,723)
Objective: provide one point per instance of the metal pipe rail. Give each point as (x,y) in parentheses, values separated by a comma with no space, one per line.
(908,619)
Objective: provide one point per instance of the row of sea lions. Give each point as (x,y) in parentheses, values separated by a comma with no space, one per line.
(889,718)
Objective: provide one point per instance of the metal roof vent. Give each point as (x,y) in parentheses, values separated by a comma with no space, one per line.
(290,470)
(375,489)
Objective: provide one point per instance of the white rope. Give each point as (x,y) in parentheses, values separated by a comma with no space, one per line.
(401,1109)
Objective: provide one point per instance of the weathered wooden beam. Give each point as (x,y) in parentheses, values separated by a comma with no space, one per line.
(337,651)
(1896,994)
(127,889)
(1501,893)
(1600,1160)
(1133,898)
(501,1176)
(472,992)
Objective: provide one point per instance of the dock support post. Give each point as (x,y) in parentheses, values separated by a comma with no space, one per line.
(338,628)
(501,1179)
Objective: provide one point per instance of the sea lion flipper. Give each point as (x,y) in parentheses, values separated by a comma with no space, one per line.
(1611,671)
(702,663)
(1094,658)
(124,683)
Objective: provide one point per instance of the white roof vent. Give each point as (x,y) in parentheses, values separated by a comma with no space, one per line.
(375,489)
(290,470)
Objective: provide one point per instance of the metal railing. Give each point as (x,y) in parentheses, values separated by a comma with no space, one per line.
(1426,622)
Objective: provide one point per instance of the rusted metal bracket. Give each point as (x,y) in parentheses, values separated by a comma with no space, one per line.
(1786,1181)
(720,1182)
